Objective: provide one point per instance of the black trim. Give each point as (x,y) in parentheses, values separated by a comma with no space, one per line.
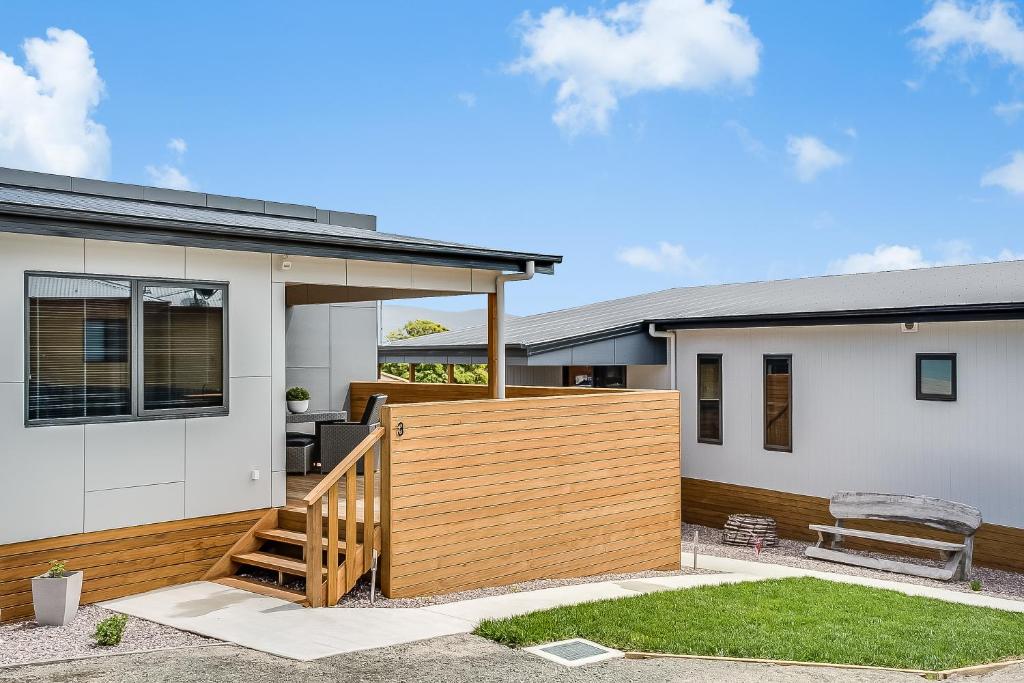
(922,396)
(79,224)
(721,399)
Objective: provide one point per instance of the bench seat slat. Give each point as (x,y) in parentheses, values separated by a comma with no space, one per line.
(889,538)
(938,573)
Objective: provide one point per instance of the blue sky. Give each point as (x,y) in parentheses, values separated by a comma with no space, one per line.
(745,141)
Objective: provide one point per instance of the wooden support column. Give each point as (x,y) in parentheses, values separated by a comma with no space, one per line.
(492,345)
(412,372)
(451,373)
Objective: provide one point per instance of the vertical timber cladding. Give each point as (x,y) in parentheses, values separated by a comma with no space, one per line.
(489,493)
(119,562)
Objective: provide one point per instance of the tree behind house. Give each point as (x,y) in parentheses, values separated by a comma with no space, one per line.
(431,373)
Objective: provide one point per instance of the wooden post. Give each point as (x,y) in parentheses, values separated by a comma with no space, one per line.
(412,372)
(451,373)
(385,502)
(492,345)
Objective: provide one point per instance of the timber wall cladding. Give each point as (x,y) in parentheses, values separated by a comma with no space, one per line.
(709,503)
(120,562)
(407,392)
(489,493)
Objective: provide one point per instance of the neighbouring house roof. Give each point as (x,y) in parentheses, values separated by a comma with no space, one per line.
(40,203)
(968,292)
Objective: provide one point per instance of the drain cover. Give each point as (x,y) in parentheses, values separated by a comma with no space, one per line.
(574,652)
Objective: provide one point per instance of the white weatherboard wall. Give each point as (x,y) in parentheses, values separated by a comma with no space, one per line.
(856,422)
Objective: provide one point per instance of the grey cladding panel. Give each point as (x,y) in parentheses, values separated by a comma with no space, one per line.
(290,210)
(107,189)
(308,335)
(640,349)
(159,194)
(49,181)
(594,353)
(218,201)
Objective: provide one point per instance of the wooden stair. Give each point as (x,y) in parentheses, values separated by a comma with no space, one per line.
(276,544)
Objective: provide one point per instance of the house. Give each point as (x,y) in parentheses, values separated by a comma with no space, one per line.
(144,358)
(904,382)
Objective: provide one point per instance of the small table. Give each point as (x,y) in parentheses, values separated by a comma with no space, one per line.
(316,416)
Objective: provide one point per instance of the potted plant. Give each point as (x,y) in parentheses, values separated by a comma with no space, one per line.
(55,595)
(298,399)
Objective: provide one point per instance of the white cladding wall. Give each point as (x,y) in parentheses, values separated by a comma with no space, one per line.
(856,422)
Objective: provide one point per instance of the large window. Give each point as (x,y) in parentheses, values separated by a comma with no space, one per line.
(936,376)
(778,403)
(709,398)
(106,349)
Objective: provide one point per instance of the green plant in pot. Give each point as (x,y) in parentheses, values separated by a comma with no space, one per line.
(56,594)
(298,399)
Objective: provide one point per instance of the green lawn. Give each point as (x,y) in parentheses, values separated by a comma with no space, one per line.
(792,619)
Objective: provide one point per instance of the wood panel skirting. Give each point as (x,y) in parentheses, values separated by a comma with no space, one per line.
(709,503)
(409,392)
(489,493)
(120,562)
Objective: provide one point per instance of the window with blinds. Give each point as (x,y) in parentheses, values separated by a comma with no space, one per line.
(778,403)
(709,398)
(102,349)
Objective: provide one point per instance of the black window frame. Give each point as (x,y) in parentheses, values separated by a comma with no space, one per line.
(721,398)
(764,401)
(135,352)
(923,396)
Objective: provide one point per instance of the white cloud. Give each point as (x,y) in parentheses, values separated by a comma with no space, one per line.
(467,98)
(811,156)
(178,146)
(647,45)
(912,85)
(1010,176)
(46,108)
(991,27)
(746,138)
(850,132)
(170,177)
(900,257)
(1008,111)
(667,257)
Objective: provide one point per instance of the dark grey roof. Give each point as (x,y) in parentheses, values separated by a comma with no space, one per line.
(957,292)
(56,211)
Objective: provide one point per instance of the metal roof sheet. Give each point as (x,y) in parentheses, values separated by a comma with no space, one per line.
(946,286)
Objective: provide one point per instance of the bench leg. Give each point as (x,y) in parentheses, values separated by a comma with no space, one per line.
(968,558)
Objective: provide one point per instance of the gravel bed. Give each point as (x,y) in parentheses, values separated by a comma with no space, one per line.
(360,595)
(994,582)
(25,641)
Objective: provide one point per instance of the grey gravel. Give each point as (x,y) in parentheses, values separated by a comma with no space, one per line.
(360,595)
(451,659)
(26,641)
(791,554)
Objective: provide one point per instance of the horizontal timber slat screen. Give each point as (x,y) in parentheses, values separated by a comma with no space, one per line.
(709,503)
(494,492)
(121,562)
(406,392)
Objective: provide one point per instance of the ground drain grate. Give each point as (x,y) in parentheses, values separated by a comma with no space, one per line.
(574,652)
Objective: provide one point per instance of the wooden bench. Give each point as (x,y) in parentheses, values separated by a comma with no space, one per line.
(936,513)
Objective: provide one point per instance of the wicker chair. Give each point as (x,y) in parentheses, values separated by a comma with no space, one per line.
(337,439)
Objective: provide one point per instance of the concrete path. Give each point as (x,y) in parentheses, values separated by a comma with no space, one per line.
(287,630)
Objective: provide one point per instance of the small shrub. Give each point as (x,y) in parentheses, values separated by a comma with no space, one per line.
(110,631)
(297,394)
(975,585)
(58,568)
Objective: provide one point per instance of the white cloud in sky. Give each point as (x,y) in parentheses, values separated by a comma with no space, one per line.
(1009,111)
(178,146)
(901,257)
(912,85)
(850,132)
(1010,176)
(964,29)
(746,138)
(811,156)
(47,107)
(665,258)
(170,177)
(600,57)
(467,98)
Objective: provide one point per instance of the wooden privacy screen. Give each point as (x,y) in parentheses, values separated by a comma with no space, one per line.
(406,392)
(121,562)
(488,493)
(709,503)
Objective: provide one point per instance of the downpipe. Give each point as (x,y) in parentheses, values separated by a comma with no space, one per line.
(670,338)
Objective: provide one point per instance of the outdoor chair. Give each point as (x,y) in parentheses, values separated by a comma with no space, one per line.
(337,439)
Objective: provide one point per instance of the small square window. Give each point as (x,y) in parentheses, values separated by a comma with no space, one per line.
(936,377)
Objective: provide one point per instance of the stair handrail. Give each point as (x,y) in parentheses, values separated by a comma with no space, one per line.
(314,524)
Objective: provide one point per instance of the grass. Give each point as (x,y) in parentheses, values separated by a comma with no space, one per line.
(803,619)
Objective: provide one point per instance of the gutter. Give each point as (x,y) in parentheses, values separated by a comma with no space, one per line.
(499,311)
(670,342)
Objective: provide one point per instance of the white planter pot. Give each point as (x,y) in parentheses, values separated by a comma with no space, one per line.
(56,600)
(298,406)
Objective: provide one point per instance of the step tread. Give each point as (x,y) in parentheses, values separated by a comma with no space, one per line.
(298,538)
(288,565)
(260,588)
